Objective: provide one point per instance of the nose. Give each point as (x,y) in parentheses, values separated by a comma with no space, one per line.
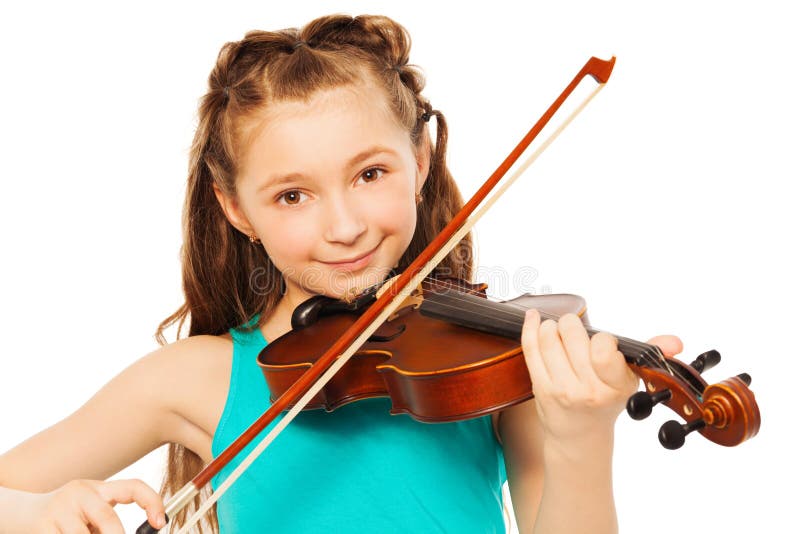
(345,222)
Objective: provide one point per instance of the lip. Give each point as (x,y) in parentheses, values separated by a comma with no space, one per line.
(355,263)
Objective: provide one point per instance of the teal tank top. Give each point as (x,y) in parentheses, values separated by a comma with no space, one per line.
(356,469)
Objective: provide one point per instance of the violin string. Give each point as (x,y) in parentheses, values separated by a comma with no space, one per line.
(496,308)
(624,342)
(646,349)
(515,318)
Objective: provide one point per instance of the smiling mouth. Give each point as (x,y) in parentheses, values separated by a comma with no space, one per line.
(355,262)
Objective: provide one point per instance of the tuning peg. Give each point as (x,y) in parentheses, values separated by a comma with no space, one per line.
(706,361)
(744,377)
(640,404)
(672,434)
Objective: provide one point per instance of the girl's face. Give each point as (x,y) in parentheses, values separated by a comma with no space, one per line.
(329,187)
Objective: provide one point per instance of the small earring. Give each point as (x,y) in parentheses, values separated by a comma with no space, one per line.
(254,239)
(418,198)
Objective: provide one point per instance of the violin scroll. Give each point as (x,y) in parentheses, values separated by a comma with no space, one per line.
(725,413)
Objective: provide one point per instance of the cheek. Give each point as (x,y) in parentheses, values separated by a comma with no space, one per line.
(396,216)
(288,241)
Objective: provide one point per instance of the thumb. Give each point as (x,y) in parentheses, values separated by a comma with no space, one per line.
(669,345)
(133,490)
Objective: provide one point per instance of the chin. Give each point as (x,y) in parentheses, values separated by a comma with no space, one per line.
(354,282)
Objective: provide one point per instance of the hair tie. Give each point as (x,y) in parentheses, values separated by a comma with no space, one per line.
(298,44)
(226,91)
(428,113)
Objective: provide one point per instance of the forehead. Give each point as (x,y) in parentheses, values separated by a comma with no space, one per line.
(332,125)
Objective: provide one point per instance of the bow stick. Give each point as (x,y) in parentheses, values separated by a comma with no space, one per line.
(388,300)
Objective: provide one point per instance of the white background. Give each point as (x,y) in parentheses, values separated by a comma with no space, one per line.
(670,204)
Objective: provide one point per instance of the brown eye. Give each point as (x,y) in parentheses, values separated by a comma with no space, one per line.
(290,197)
(370,175)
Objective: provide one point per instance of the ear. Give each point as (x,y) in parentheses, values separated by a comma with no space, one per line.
(423,154)
(233,212)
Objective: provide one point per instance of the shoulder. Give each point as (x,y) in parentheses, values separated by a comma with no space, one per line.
(159,375)
(183,366)
(196,353)
(191,378)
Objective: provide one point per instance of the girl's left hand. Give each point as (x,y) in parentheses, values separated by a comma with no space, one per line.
(580,384)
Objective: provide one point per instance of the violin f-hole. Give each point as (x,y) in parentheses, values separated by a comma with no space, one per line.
(380,337)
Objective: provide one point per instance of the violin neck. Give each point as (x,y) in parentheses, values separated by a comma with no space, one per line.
(506,319)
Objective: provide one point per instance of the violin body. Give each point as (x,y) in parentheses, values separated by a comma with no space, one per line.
(450,354)
(433,370)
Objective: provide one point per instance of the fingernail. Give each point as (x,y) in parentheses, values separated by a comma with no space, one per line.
(161,522)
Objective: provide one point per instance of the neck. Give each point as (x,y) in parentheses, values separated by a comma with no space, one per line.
(506,320)
(279,321)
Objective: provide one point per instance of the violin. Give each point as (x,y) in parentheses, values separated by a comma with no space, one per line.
(725,413)
(449,354)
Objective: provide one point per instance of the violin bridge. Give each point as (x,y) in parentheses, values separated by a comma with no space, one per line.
(413,301)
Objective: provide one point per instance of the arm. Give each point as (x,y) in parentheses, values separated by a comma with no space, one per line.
(114,428)
(557,490)
(521,435)
(137,411)
(122,422)
(559,446)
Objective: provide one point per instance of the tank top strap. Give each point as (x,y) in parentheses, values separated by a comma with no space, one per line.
(243,336)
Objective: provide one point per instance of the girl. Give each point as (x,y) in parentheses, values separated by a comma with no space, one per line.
(313,171)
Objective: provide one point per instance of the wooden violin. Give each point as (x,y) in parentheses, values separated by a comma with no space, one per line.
(450,354)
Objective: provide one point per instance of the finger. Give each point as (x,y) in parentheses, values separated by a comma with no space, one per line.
(133,490)
(71,524)
(562,375)
(576,342)
(609,363)
(530,349)
(669,345)
(101,514)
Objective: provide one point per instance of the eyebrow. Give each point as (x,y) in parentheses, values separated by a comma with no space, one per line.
(355,160)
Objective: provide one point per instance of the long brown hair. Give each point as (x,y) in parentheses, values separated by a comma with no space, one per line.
(220,266)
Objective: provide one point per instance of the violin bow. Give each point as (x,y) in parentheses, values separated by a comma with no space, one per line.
(389,298)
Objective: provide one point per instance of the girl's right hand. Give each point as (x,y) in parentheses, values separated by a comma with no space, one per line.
(86,507)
